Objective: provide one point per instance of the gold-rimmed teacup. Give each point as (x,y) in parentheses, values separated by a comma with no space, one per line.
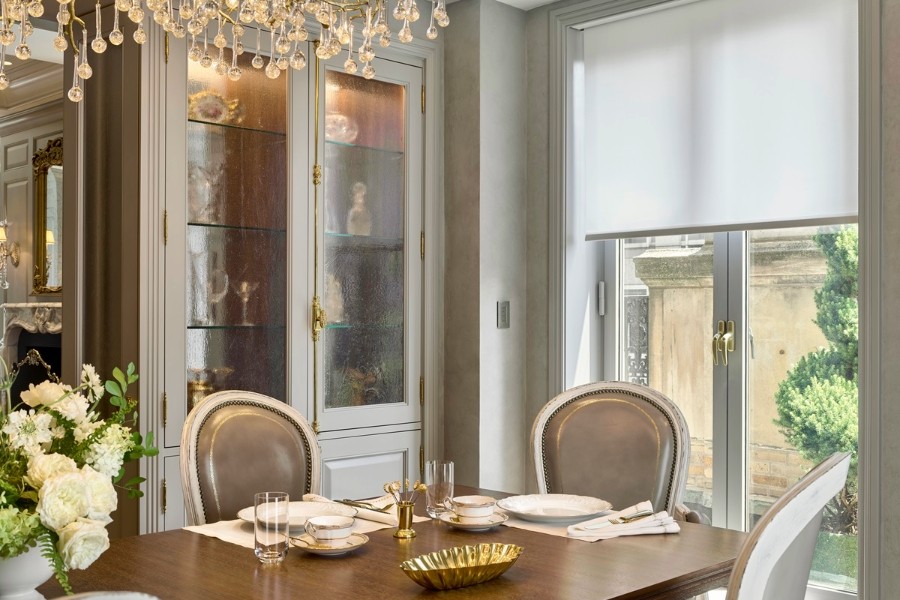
(472,509)
(330,530)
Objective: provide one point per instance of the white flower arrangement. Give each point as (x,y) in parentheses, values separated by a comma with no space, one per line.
(59,462)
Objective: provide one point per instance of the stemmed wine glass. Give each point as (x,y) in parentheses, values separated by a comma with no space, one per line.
(245,289)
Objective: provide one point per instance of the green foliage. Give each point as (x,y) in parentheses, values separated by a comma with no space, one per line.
(17,529)
(836,300)
(48,540)
(819,413)
(817,401)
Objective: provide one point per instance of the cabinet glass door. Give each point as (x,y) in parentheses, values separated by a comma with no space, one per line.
(371,276)
(236,237)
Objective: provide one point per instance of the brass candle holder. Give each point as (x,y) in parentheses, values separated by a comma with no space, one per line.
(405,520)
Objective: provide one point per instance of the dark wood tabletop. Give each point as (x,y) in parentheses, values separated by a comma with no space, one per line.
(181,564)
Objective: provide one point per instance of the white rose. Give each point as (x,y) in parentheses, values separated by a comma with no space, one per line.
(62,499)
(102,494)
(82,542)
(42,467)
(45,392)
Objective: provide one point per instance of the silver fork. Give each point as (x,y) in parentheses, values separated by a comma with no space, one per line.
(366,505)
(632,518)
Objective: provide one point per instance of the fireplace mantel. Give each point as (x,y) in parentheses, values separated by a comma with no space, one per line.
(33,317)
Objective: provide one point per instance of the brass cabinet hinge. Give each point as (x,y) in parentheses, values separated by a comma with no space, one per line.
(423,99)
(422,245)
(319,318)
(165,408)
(317,174)
(165,227)
(163,502)
(422,461)
(421,391)
(167,47)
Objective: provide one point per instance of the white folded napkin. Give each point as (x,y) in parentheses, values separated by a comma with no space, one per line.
(364,513)
(604,528)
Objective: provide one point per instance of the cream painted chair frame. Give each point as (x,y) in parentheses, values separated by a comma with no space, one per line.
(193,502)
(788,530)
(682,451)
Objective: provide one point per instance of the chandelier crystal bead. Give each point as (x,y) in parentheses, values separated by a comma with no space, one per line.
(283,19)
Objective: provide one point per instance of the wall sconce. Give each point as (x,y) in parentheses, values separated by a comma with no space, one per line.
(49,240)
(9,253)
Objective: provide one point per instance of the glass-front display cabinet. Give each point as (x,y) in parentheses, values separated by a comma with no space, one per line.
(369,354)
(308,292)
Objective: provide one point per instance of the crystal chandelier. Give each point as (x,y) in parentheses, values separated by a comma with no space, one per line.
(282,20)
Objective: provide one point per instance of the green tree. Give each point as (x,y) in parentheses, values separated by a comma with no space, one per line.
(817,401)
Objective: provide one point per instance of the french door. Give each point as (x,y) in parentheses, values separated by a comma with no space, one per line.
(728,325)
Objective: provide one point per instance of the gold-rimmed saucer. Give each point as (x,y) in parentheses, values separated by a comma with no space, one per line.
(310,544)
(489,523)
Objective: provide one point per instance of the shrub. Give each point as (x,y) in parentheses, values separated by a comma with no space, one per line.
(817,401)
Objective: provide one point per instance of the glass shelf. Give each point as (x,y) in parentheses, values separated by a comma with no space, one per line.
(228,126)
(226,327)
(397,153)
(374,326)
(235,227)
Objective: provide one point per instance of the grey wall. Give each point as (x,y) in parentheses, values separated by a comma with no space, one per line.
(503,209)
(485,243)
(462,162)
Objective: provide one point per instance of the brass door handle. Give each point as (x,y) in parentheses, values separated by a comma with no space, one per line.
(723,341)
(726,340)
(717,342)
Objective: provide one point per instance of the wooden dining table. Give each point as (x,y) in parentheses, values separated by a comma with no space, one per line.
(183,564)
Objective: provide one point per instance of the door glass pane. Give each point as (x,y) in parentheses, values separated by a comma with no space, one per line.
(667,300)
(236,236)
(802,377)
(364,188)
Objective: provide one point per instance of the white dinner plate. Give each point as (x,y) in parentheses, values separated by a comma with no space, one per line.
(299,512)
(309,543)
(495,519)
(554,508)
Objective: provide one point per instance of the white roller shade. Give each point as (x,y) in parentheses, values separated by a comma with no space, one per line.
(720,114)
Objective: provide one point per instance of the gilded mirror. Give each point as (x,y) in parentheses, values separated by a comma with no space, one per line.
(48,195)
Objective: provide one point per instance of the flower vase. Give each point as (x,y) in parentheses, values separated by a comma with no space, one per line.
(20,575)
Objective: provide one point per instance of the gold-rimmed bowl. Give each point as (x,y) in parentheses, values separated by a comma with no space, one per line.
(461,566)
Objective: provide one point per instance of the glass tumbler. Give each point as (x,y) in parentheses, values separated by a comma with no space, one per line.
(270,527)
(439,482)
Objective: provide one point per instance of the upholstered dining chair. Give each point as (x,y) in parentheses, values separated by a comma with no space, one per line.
(775,561)
(235,444)
(619,441)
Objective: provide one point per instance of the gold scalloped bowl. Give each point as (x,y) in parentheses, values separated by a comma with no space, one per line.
(461,566)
